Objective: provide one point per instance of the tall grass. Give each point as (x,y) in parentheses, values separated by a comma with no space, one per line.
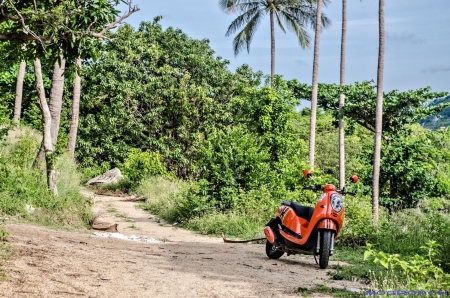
(23,190)
(181,202)
(161,196)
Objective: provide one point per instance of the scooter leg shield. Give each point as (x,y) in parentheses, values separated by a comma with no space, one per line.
(270,235)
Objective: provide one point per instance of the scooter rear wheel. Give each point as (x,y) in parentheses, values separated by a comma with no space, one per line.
(271,252)
(325,247)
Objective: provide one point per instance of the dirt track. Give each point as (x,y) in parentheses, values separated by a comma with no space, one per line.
(55,263)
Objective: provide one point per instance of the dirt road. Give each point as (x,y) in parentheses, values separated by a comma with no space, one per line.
(56,263)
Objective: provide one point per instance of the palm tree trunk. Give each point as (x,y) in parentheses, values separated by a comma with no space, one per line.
(56,95)
(342,97)
(272,47)
(75,110)
(46,123)
(315,86)
(379,116)
(19,92)
(55,106)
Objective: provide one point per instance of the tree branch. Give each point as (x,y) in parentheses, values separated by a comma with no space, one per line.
(371,128)
(23,37)
(131,10)
(26,28)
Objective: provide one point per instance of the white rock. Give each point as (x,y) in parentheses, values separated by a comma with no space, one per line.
(111,176)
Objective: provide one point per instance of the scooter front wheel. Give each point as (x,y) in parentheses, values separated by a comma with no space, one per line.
(325,247)
(271,252)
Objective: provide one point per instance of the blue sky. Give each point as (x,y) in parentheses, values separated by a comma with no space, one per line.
(417,46)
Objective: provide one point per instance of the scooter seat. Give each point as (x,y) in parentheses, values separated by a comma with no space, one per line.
(300,210)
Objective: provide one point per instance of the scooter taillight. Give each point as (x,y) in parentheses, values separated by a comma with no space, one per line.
(269,234)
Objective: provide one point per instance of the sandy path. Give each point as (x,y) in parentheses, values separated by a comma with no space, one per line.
(55,263)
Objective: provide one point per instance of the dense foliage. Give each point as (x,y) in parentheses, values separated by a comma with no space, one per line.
(154,90)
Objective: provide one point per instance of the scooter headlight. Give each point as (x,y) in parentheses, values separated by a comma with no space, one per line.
(336,202)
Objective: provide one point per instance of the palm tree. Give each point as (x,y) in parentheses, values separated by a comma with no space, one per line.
(342,97)
(19,91)
(75,108)
(378,115)
(315,86)
(295,15)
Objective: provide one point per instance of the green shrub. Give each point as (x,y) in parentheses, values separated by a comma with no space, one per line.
(358,225)
(22,186)
(421,271)
(406,231)
(140,164)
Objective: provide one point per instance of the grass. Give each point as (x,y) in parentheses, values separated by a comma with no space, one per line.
(231,224)
(133,227)
(335,292)
(5,251)
(323,289)
(161,195)
(21,186)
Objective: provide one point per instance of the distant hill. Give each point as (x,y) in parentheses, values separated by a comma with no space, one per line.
(443,119)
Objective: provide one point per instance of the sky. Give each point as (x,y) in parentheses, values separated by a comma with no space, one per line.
(417,41)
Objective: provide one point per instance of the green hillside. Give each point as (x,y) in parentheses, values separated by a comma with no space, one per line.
(441,120)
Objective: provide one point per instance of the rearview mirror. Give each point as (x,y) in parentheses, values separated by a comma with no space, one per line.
(307,173)
(354,178)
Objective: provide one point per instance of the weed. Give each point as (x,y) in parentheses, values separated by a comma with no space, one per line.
(5,254)
(340,293)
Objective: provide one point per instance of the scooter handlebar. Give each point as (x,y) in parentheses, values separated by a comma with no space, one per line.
(314,187)
(344,192)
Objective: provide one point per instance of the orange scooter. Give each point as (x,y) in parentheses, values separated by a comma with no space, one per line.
(298,229)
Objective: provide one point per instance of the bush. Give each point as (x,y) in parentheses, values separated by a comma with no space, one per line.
(420,271)
(140,164)
(358,226)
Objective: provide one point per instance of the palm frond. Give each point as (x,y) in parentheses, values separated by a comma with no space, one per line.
(241,20)
(308,15)
(237,6)
(244,38)
(298,27)
(280,23)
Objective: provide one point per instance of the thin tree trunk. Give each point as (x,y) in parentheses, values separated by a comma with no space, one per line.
(272,47)
(39,157)
(19,92)
(55,106)
(56,95)
(315,86)
(342,97)
(46,125)
(75,110)
(378,117)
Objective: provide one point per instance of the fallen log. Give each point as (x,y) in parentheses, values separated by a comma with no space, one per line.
(240,241)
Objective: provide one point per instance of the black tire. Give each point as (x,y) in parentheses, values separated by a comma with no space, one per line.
(325,246)
(271,253)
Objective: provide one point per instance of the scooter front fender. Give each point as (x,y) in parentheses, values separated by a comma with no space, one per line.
(327,224)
